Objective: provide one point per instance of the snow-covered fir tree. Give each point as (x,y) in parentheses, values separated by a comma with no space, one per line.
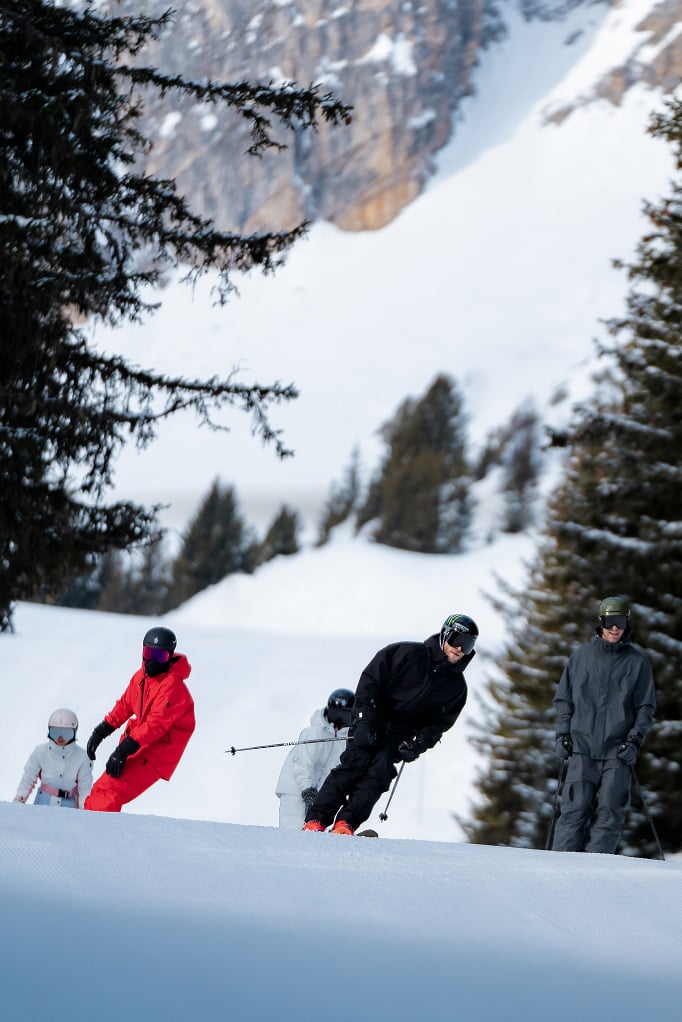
(614,526)
(420,496)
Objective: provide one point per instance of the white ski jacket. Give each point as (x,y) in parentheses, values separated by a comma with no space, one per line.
(306,766)
(65,769)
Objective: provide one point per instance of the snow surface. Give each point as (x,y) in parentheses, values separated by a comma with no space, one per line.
(192,904)
(145,918)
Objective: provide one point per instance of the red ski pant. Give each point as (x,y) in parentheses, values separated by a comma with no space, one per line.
(110,794)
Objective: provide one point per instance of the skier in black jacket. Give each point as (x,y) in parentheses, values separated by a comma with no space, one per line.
(407,697)
(605,705)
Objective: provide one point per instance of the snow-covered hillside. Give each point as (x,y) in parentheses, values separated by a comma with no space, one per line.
(499,274)
(144,918)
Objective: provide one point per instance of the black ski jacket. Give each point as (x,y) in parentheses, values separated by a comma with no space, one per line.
(410,688)
(606,695)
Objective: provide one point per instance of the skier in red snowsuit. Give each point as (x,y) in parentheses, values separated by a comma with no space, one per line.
(159,712)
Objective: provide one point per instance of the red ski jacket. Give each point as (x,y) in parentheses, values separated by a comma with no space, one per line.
(160,715)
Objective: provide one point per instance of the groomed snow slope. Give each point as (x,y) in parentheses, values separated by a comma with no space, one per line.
(145,918)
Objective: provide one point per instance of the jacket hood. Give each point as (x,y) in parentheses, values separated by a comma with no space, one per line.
(318,719)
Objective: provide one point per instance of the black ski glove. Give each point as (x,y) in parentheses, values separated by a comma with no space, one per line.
(309,795)
(563,746)
(364,734)
(409,751)
(118,758)
(101,732)
(628,752)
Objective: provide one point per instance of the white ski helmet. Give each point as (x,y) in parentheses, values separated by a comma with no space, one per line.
(63,718)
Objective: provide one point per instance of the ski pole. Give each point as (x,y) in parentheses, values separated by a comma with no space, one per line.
(646,812)
(280,745)
(384,816)
(559,786)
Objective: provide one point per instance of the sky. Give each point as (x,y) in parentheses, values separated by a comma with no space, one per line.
(193,902)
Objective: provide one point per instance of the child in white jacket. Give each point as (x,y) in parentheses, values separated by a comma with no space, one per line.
(61,766)
(306,766)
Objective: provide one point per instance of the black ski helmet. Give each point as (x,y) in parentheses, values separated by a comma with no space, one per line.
(162,638)
(339,710)
(459,630)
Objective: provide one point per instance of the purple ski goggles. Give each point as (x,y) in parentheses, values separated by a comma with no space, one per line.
(162,656)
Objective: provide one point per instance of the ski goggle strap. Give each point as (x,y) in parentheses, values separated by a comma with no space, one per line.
(162,656)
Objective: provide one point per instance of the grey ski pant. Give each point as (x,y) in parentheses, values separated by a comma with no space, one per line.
(594,803)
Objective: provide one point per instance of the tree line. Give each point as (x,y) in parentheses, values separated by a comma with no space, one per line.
(418,499)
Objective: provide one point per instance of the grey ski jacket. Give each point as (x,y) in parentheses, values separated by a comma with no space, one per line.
(605,695)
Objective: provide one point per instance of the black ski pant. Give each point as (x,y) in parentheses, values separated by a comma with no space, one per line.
(594,803)
(353,788)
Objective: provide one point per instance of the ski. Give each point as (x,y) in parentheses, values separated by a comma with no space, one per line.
(367,833)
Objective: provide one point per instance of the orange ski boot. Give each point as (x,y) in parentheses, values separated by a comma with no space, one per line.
(342,827)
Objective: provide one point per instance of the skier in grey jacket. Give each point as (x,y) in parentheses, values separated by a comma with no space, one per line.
(604,704)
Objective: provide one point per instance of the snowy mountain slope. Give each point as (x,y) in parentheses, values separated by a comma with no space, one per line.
(156,918)
(499,274)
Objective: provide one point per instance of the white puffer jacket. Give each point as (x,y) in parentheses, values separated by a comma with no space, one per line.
(306,766)
(67,768)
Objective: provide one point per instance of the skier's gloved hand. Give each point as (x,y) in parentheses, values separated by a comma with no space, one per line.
(563,746)
(101,732)
(117,760)
(364,734)
(309,795)
(628,752)
(409,751)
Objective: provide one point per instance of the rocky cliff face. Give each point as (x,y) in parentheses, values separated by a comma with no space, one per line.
(404,65)
(654,60)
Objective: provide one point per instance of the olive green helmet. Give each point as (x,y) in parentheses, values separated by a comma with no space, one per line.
(614,605)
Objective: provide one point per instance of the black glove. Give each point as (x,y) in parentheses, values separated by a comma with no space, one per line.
(364,734)
(409,751)
(101,732)
(309,795)
(563,746)
(628,752)
(117,760)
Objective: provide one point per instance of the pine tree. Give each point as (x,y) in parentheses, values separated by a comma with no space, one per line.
(342,500)
(521,468)
(614,527)
(82,235)
(281,539)
(515,450)
(421,493)
(214,545)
